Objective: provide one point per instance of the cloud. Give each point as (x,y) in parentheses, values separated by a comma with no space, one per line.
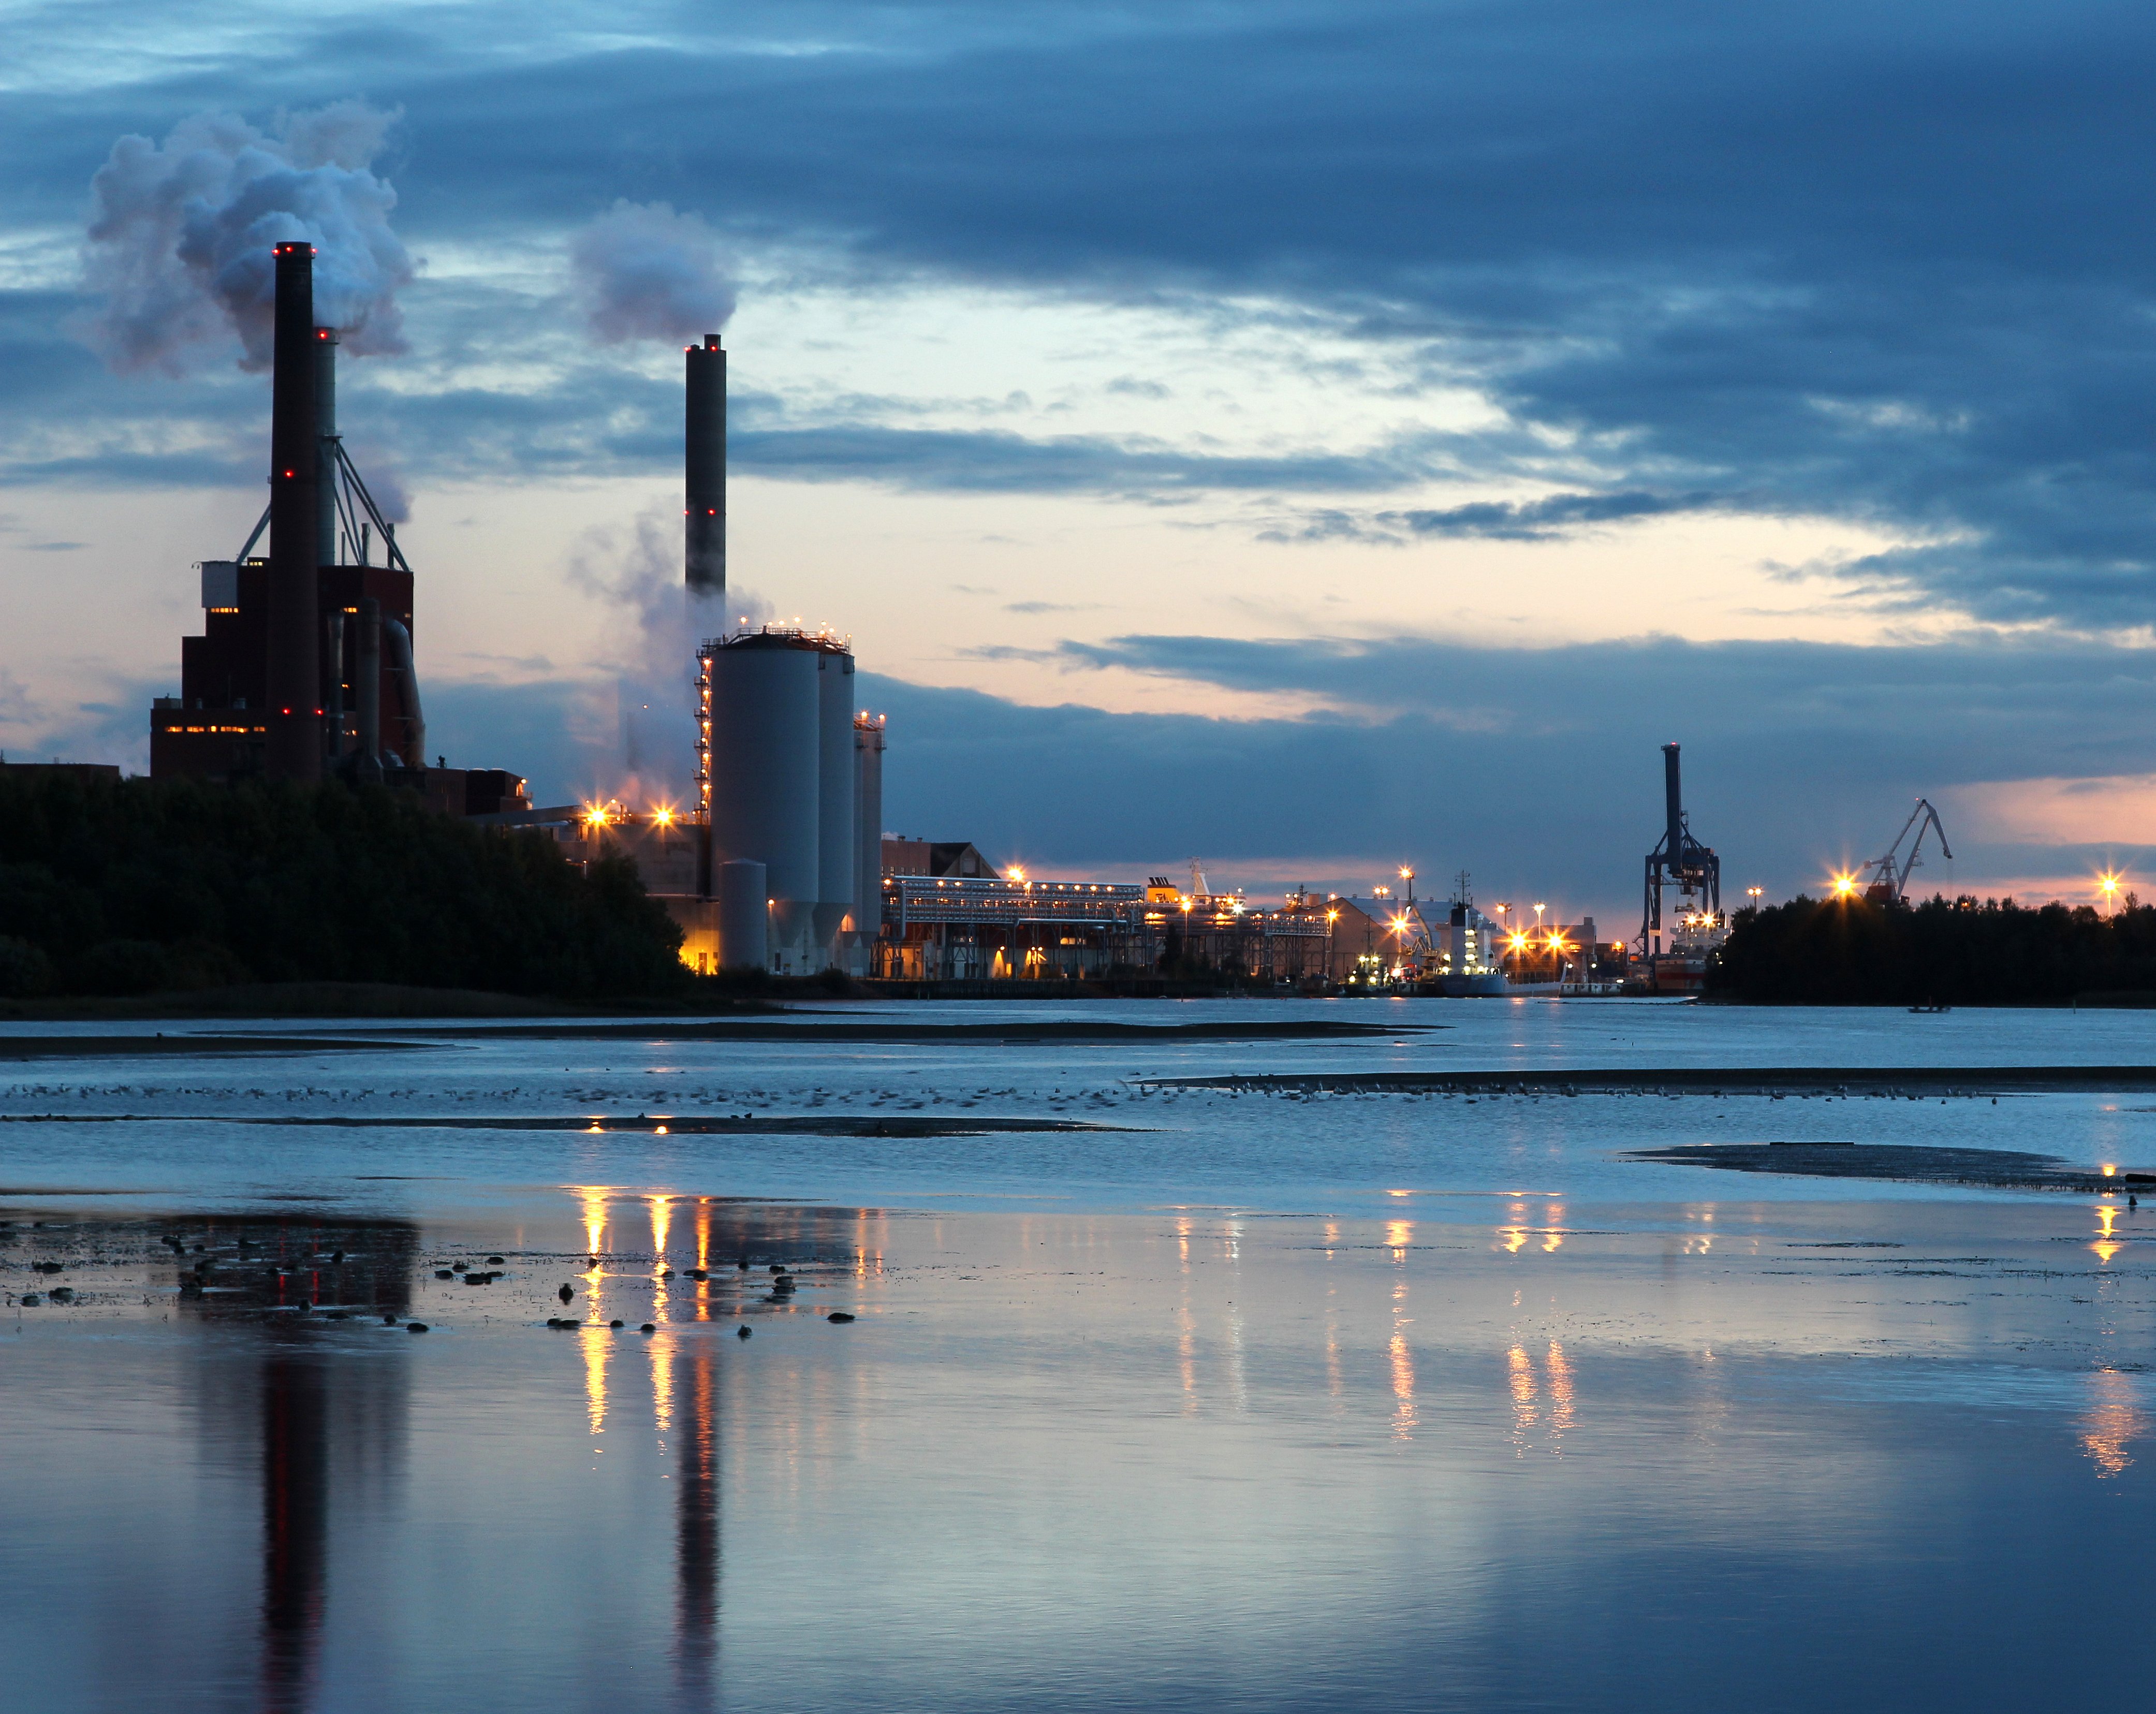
(1534,769)
(644,272)
(178,248)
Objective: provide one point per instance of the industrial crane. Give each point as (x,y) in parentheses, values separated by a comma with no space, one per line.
(1889,884)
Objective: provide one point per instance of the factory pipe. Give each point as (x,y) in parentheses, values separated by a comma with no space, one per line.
(333,681)
(414,748)
(325,443)
(293,678)
(1673,802)
(366,687)
(705,445)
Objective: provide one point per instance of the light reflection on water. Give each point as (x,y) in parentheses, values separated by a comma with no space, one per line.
(956,1500)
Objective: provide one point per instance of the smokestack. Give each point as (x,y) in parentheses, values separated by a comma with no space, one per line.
(706,535)
(295,674)
(1674,803)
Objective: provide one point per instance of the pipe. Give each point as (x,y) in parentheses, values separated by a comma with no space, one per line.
(408,687)
(1673,797)
(705,449)
(334,680)
(325,461)
(366,687)
(293,678)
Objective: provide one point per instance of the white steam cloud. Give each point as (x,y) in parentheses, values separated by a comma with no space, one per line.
(642,271)
(180,236)
(649,754)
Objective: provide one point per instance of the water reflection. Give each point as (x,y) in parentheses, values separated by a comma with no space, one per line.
(2114,1419)
(1521,1380)
(1560,1386)
(913,1545)
(696,1533)
(318,1420)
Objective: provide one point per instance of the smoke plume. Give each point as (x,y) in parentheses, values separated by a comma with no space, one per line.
(642,271)
(180,235)
(651,752)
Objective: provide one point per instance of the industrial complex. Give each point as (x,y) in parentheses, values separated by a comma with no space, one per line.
(307,669)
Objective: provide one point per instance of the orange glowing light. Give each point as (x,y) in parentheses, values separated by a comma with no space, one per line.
(1845,885)
(663,815)
(1014,873)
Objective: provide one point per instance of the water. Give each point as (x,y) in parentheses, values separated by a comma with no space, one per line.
(1247,1404)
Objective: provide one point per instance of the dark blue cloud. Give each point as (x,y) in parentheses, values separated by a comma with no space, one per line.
(1880,262)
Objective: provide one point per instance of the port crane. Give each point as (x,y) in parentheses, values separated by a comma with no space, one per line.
(1889,884)
(1679,861)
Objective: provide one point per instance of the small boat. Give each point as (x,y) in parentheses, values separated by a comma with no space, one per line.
(1931,1008)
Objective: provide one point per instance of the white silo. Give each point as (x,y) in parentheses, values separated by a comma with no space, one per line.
(744,914)
(763,771)
(834,810)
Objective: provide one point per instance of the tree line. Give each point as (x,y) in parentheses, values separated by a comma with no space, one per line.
(1943,951)
(138,886)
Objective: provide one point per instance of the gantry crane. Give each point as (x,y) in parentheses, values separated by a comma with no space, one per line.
(1679,861)
(1889,884)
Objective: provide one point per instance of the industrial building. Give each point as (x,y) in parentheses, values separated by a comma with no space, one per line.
(961,927)
(305,666)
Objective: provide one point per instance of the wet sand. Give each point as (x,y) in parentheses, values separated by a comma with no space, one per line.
(1999,1169)
(1969,1082)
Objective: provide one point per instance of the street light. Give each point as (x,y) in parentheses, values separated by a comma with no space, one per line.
(1755,894)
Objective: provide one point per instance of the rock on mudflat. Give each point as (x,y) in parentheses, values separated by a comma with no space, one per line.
(744,1332)
(648,1327)
(415,1326)
(838,1314)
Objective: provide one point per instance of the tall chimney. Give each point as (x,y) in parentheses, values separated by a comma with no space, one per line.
(1673,795)
(706,535)
(293,678)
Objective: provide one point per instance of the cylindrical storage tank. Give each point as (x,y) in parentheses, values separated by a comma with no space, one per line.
(868,827)
(834,802)
(742,894)
(766,767)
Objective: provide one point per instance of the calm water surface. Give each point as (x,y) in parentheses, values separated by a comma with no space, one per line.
(1246,1403)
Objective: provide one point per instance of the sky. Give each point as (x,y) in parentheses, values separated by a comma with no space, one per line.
(1308,438)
